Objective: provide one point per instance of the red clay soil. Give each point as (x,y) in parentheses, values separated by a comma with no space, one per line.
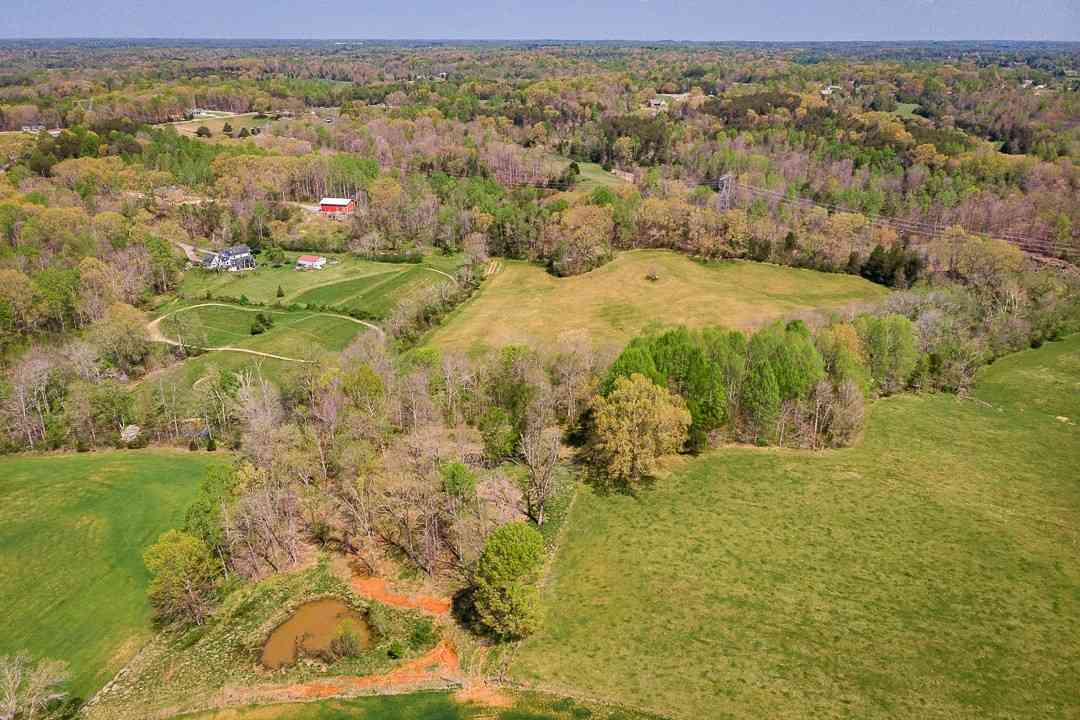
(376,589)
(481,694)
(439,665)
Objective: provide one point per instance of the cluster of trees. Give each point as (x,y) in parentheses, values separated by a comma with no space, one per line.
(781,385)
(369,451)
(682,390)
(75,395)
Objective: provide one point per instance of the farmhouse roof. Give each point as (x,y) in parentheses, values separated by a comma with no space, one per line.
(236,250)
(335,201)
(309,258)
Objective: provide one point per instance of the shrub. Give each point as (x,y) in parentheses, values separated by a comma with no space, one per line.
(498,433)
(506,595)
(347,641)
(396,649)
(423,634)
(458,480)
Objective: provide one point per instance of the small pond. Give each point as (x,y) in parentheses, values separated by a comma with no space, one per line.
(310,630)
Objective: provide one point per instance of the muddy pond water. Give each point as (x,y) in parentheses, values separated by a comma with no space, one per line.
(310,629)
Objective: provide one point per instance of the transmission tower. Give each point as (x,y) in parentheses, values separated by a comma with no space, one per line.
(723,191)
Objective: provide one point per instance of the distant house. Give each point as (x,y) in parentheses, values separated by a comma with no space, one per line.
(310,262)
(336,206)
(829,90)
(233,259)
(32,129)
(658,104)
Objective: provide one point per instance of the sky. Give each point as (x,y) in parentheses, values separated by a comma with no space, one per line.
(775,20)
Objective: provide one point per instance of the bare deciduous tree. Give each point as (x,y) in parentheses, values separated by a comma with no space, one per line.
(28,690)
(540,449)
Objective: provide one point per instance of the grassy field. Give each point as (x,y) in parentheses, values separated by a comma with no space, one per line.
(930,572)
(593,176)
(299,334)
(216,126)
(375,294)
(72,532)
(523,303)
(906,110)
(426,706)
(184,375)
(345,282)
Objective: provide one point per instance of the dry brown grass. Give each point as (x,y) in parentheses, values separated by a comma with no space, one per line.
(524,304)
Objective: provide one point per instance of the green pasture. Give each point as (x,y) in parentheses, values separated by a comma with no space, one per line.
(72,532)
(376,294)
(906,110)
(593,176)
(929,572)
(293,334)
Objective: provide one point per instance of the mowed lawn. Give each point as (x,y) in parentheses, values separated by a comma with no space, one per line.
(341,282)
(593,176)
(376,294)
(523,303)
(298,334)
(72,532)
(931,572)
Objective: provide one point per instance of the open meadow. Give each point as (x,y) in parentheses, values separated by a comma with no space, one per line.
(914,575)
(216,126)
(295,334)
(523,303)
(72,532)
(594,176)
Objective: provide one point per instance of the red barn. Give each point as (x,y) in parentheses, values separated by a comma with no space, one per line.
(336,206)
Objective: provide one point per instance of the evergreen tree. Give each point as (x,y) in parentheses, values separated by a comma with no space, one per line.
(760,400)
(506,598)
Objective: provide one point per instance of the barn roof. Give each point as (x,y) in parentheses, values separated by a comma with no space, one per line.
(335,201)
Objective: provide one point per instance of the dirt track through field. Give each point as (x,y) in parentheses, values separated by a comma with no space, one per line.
(439,667)
(153,329)
(376,589)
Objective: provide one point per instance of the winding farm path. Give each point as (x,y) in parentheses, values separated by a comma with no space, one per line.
(153,329)
(437,668)
(441,272)
(376,588)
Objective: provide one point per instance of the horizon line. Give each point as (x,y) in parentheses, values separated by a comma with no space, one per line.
(85,38)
